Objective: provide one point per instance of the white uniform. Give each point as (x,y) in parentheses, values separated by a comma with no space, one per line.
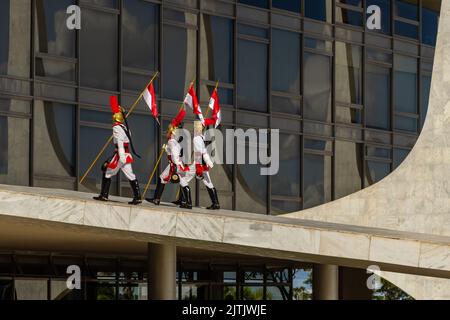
(173,151)
(201,156)
(122,159)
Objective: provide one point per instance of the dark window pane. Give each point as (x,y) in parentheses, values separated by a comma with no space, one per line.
(406,30)
(54,140)
(348,168)
(376,171)
(285,105)
(318,44)
(317,86)
(287,181)
(399,156)
(405,84)
(251,189)
(15,38)
(426,86)
(279,207)
(378,97)
(317,180)
(318,9)
(385,6)
(252,76)
(406,9)
(349,17)
(257,3)
(52,34)
(430,18)
(290,5)
(98,56)
(179,66)
(285,61)
(406,123)
(217,51)
(348,73)
(140,27)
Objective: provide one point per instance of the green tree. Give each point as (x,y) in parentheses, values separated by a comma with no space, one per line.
(390,292)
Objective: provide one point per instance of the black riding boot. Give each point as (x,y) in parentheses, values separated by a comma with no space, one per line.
(180,198)
(158,193)
(104,193)
(214,199)
(137,199)
(186,200)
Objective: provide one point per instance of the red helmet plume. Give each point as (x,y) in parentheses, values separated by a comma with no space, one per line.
(114,104)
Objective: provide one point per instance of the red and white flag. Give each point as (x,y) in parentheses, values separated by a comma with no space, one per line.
(192,102)
(149,97)
(215,107)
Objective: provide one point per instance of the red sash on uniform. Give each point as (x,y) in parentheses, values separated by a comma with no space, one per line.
(116,158)
(172,170)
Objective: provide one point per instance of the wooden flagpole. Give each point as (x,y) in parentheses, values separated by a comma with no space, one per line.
(160,155)
(111,137)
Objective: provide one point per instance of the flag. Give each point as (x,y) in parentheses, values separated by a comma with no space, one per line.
(215,107)
(192,102)
(150,100)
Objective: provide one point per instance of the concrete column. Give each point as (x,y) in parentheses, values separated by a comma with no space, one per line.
(325,282)
(162,268)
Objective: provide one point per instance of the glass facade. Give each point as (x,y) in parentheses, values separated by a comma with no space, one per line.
(349,102)
(43,276)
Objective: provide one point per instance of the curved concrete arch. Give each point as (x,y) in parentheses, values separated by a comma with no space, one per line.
(416,196)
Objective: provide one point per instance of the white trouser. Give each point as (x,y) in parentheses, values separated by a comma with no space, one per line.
(127,170)
(185,177)
(207,180)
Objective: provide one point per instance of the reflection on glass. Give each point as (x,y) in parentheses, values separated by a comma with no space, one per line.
(376,171)
(430,19)
(318,9)
(317,180)
(290,5)
(406,9)
(14,143)
(179,63)
(287,181)
(399,156)
(317,87)
(285,61)
(217,51)
(15,38)
(54,140)
(406,30)
(31,289)
(348,73)
(378,97)
(385,6)
(302,284)
(140,30)
(52,35)
(349,17)
(348,168)
(252,76)
(98,50)
(405,84)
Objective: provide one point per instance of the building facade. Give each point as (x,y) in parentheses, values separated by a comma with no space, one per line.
(349,102)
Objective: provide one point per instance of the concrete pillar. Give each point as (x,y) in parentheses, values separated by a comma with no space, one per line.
(162,268)
(325,282)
